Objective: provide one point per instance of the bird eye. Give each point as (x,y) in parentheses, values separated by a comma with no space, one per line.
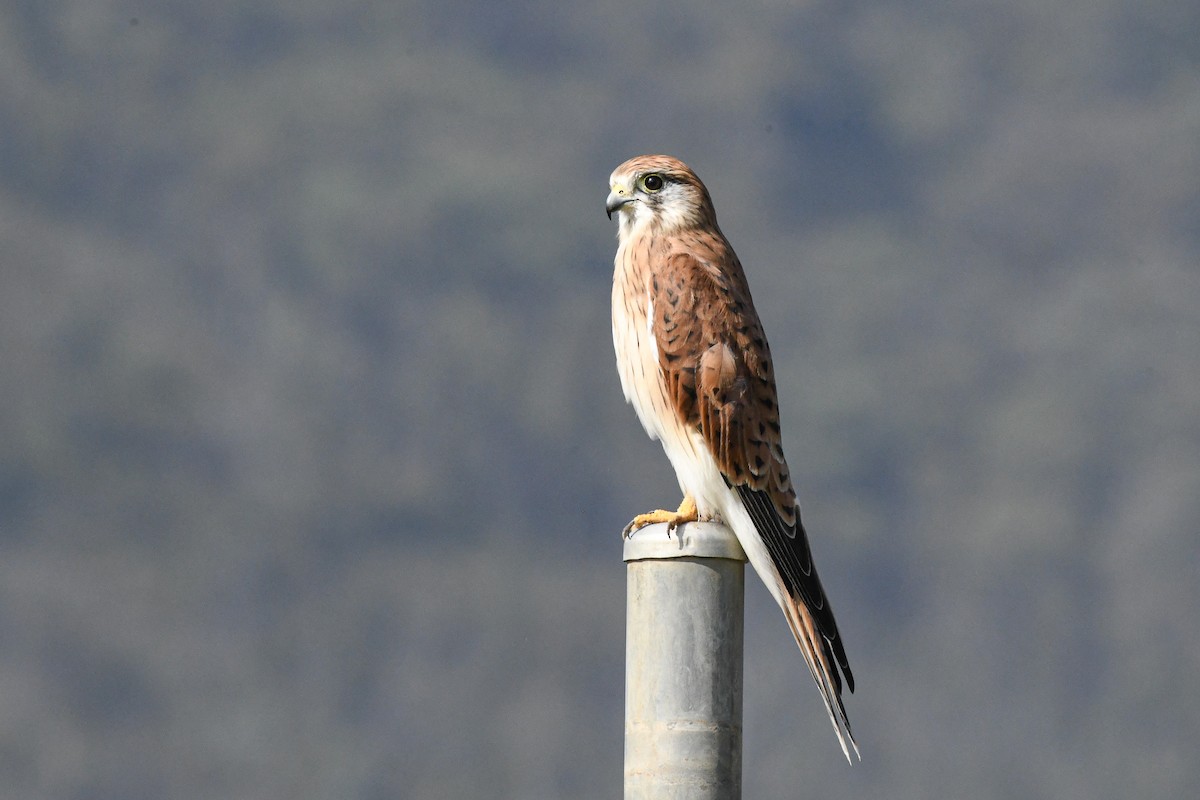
(652,183)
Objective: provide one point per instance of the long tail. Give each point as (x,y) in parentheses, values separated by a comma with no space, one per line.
(779,554)
(819,657)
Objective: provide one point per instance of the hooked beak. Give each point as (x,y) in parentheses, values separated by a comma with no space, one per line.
(617,198)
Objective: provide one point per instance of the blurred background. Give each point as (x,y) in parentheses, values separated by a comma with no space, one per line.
(313,456)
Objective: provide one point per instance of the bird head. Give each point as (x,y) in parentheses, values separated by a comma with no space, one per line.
(660,192)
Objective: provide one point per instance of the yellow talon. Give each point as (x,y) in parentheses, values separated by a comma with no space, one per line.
(685,513)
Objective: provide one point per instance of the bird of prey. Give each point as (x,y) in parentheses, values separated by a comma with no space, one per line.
(694,364)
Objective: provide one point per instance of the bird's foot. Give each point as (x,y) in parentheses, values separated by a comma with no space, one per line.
(685,513)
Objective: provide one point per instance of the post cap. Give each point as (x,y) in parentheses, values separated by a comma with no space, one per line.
(689,540)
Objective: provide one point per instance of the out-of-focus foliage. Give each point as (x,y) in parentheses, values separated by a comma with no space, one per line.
(314,457)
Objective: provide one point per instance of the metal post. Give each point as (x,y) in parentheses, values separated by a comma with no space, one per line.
(683,663)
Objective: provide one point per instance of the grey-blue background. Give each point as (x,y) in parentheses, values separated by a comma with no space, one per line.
(313,457)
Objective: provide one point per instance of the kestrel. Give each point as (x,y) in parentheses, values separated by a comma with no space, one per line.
(695,365)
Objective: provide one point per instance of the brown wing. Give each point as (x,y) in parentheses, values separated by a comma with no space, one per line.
(717,365)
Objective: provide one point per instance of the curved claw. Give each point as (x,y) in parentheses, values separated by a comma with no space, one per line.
(685,513)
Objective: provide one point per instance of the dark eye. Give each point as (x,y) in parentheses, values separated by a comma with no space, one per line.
(652,183)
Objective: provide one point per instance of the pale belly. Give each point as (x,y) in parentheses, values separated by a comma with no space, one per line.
(644,388)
